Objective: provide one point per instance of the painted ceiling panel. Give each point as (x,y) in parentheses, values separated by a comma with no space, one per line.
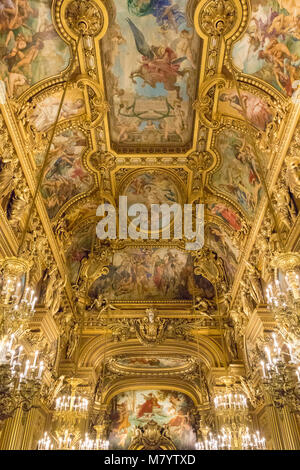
(65,176)
(238,177)
(156,274)
(150,56)
(270,49)
(30,48)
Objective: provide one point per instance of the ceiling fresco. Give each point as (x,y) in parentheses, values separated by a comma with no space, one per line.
(152,362)
(43,113)
(258,111)
(136,408)
(226,214)
(270,49)
(65,175)
(31,50)
(150,56)
(153,187)
(149,76)
(155,274)
(167,101)
(238,177)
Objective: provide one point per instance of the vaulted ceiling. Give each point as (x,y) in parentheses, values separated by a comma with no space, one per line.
(164,102)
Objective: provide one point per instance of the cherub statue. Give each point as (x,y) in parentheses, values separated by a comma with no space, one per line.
(101,305)
(204,306)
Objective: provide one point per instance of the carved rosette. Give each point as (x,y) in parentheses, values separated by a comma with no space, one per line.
(84,17)
(218,17)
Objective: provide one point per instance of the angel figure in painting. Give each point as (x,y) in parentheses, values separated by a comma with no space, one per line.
(167,13)
(159,64)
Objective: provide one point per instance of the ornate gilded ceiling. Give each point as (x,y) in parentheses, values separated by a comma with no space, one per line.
(186,101)
(164,103)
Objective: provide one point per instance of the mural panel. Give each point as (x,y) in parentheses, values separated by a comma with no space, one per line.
(138,274)
(238,176)
(152,362)
(226,213)
(65,175)
(30,48)
(150,55)
(258,112)
(270,49)
(136,408)
(153,187)
(44,113)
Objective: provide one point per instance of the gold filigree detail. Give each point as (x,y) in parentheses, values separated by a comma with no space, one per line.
(83,16)
(218,17)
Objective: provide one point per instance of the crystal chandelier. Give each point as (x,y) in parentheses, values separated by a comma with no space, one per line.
(285,304)
(20,379)
(70,410)
(253,441)
(17,301)
(281,374)
(67,443)
(232,413)
(91,444)
(223,441)
(215,442)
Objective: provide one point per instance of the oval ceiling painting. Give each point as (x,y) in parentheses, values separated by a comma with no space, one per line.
(150,188)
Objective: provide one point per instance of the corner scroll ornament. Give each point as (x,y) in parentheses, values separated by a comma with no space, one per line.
(205,103)
(99,106)
(150,330)
(218,17)
(84,17)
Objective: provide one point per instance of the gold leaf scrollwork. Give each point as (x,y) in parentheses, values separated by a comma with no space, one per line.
(84,17)
(218,17)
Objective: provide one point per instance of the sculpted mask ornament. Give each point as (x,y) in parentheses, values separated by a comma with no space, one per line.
(150,330)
